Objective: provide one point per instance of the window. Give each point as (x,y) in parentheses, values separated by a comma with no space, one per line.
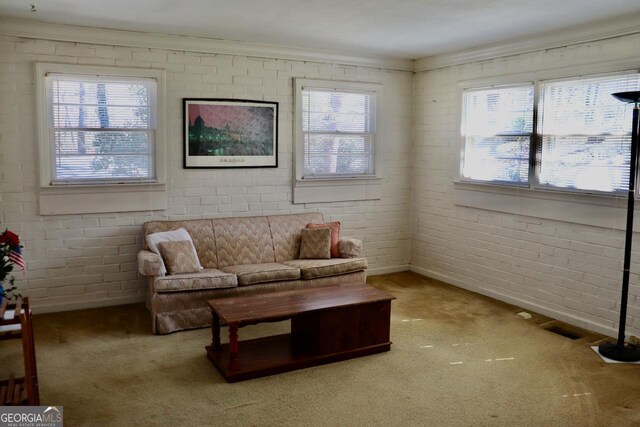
(498,129)
(586,133)
(579,142)
(337,136)
(339,132)
(101,130)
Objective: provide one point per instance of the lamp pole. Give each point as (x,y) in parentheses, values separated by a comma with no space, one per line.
(618,351)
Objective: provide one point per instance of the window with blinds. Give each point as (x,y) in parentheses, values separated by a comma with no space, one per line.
(101,129)
(586,133)
(497,129)
(580,139)
(338,129)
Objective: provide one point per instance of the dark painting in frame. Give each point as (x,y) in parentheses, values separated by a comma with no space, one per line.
(230,133)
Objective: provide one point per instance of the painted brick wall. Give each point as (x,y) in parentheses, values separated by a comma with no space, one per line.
(570,271)
(86,260)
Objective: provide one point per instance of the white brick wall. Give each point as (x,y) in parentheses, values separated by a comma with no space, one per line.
(570,271)
(89,260)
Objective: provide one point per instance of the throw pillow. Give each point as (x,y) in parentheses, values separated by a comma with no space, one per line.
(315,243)
(178,257)
(335,235)
(170,236)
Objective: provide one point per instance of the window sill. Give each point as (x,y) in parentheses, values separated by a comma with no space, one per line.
(608,211)
(321,190)
(82,199)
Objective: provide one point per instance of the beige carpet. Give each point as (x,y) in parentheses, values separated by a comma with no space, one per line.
(458,359)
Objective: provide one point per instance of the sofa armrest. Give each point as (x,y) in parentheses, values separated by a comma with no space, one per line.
(149,263)
(350,248)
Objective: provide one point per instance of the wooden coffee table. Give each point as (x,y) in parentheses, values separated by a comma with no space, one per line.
(328,324)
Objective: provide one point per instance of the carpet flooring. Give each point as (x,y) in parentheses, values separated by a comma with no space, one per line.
(457,359)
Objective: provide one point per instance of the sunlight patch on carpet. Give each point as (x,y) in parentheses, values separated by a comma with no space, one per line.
(576,395)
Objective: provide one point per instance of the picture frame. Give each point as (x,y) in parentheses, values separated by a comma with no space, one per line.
(230,133)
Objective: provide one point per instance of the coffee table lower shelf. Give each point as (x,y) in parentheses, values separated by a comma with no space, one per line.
(276,354)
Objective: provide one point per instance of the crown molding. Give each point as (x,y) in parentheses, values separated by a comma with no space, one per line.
(586,33)
(103,36)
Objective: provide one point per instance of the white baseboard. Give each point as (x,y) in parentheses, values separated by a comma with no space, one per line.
(387,270)
(558,315)
(54,308)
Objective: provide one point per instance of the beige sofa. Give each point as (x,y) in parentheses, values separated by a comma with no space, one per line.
(240,256)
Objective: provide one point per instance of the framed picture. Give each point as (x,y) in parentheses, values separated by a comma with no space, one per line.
(230,133)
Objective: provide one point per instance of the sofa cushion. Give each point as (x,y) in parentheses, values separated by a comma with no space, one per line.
(178,257)
(286,229)
(315,243)
(153,240)
(250,274)
(203,279)
(243,241)
(201,232)
(335,235)
(312,268)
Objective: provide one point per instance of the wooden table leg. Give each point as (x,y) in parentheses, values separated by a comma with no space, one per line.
(234,361)
(215,331)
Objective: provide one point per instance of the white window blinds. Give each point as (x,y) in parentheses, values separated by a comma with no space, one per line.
(497,127)
(339,131)
(586,132)
(101,129)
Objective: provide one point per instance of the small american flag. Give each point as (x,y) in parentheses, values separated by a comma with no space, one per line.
(15,256)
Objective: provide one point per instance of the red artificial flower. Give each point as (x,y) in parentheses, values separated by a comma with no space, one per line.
(10,237)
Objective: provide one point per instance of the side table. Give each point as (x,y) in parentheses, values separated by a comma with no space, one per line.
(16,323)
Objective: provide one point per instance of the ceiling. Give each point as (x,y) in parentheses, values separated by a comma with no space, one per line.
(408,29)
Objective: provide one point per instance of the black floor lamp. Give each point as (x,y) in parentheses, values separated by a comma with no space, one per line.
(618,351)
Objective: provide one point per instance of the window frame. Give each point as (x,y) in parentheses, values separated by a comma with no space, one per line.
(51,126)
(536,164)
(105,196)
(44,105)
(336,188)
(568,73)
(532,136)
